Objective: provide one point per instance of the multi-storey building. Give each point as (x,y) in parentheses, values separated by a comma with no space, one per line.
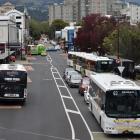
(67,12)
(132,13)
(75,10)
(21,22)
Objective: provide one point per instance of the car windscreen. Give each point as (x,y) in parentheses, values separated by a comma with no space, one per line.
(76,77)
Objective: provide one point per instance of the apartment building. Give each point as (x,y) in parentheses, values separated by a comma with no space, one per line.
(67,12)
(132,13)
(75,10)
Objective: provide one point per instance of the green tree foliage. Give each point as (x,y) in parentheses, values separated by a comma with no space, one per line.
(129,42)
(95,28)
(56,25)
(38,28)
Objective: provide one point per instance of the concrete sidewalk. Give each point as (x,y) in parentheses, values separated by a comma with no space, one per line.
(18,61)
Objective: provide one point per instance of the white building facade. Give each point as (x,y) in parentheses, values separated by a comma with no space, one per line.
(132,13)
(20,19)
(8,30)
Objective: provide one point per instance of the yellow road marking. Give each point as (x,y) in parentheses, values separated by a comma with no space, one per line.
(10,107)
(29,68)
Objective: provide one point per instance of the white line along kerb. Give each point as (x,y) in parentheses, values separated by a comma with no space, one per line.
(66,111)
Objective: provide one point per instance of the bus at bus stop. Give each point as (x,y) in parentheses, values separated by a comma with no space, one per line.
(115,103)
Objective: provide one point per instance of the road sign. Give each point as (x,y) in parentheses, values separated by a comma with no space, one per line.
(121,68)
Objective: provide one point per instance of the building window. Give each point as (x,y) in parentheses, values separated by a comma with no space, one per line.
(18,17)
(18,24)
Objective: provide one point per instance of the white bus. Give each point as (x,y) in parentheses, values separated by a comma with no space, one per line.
(13,82)
(89,63)
(115,103)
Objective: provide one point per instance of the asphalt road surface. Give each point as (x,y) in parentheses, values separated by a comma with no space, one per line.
(53,111)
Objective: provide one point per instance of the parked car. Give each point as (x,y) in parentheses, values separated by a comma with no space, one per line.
(84,85)
(137,68)
(51,48)
(57,47)
(69,73)
(74,80)
(66,70)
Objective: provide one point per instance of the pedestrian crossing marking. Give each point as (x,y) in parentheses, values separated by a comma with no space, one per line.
(31,58)
(29,80)
(29,68)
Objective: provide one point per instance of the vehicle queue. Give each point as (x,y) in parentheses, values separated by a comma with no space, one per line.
(113,100)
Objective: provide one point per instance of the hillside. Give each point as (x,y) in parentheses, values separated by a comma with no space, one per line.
(37,9)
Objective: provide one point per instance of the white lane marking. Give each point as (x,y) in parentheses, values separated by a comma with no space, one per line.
(61,86)
(98,132)
(72,128)
(29,68)
(29,80)
(47,79)
(68,97)
(72,111)
(58,78)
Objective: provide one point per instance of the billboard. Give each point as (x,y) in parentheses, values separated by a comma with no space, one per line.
(70,39)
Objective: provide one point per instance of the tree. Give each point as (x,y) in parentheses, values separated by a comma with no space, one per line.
(38,28)
(56,25)
(95,28)
(129,43)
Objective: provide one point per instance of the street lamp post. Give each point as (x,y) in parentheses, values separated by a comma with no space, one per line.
(21,45)
(118,42)
(8,46)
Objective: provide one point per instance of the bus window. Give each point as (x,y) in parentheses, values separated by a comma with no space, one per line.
(104,66)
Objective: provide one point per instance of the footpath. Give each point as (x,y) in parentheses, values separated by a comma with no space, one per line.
(24,62)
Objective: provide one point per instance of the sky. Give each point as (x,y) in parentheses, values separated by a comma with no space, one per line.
(138,1)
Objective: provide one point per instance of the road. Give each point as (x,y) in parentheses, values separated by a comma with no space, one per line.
(53,111)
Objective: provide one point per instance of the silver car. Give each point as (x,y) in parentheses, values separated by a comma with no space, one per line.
(74,80)
(66,72)
(68,75)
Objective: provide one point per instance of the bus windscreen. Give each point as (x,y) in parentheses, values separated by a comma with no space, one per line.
(123,103)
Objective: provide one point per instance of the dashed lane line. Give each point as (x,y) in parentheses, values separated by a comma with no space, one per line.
(72,111)
(29,80)
(68,97)
(62,99)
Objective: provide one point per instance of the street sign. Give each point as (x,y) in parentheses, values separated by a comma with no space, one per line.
(121,68)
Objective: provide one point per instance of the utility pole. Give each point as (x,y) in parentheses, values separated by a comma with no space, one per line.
(8,46)
(21,44)
(118,42)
